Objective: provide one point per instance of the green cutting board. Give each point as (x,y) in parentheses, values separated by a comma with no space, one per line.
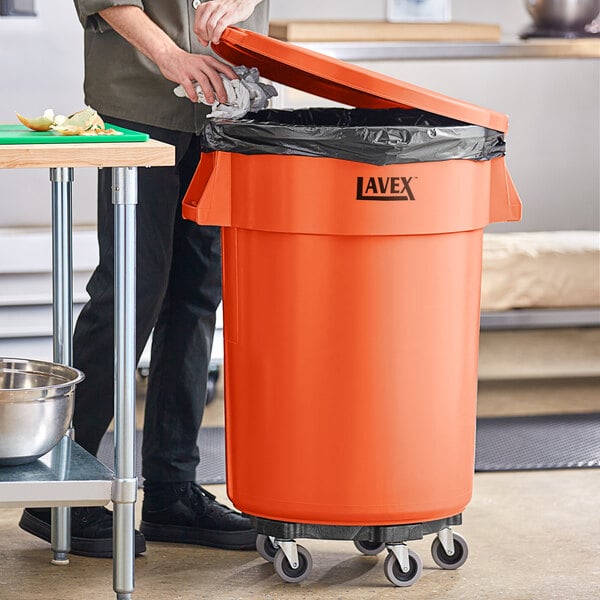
(19,134)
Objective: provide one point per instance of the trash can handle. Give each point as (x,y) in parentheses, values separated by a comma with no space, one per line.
(505,204)
(207,200)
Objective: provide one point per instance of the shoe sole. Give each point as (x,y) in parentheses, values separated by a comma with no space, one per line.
(178,534)
(94,548)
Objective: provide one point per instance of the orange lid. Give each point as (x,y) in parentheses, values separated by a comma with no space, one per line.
(342,82)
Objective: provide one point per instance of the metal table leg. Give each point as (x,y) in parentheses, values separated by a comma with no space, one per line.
(124,490)
(62,324)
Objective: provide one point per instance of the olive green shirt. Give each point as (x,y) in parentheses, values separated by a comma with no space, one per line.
(121,82)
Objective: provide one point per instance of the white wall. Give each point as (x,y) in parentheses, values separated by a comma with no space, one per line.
(553,148)
(553,143)
(42,67)
(510,14)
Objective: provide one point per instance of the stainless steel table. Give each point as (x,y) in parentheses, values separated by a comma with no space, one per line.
(68,475)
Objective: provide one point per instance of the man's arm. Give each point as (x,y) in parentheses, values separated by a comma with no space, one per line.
(175,64)
(213,17)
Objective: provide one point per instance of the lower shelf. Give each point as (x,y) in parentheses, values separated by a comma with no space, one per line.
(67,476)
(541,318)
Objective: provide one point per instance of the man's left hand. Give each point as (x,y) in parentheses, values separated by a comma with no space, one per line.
(213,17)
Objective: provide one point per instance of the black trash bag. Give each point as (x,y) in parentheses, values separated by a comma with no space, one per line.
(385,136)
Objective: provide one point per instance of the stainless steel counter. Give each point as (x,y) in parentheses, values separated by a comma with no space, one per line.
(586,48)
(56,480)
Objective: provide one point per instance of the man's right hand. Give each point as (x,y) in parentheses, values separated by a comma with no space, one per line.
(175,64)
(187,69)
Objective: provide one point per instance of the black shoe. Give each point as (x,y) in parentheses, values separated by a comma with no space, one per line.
(188,514)
(91,530)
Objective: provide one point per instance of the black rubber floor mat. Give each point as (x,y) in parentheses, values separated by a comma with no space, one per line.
(538,442)
(503,444)
(212,455)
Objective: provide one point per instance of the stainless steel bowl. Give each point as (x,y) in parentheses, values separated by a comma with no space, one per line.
(563,15)
(36,407)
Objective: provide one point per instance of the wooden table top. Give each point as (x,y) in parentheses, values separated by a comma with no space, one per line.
(106,154)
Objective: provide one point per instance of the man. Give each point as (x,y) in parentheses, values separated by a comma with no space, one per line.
(136,53)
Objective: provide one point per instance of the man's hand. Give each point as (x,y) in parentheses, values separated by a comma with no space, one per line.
(213,17)
(185,68)
(175,64)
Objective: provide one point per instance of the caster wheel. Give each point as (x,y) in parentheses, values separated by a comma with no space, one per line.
(369,548)
(286,572)
(443,560)
(266,548)
(396,576)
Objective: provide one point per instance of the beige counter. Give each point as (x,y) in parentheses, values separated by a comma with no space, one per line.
(510,48)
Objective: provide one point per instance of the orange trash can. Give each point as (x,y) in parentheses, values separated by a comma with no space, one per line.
(351,320)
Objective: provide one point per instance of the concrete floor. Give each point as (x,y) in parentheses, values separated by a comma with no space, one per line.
(532,535)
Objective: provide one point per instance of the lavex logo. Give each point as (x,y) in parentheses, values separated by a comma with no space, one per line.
(384,188)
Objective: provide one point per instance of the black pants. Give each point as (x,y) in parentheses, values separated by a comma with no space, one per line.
(178,290)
